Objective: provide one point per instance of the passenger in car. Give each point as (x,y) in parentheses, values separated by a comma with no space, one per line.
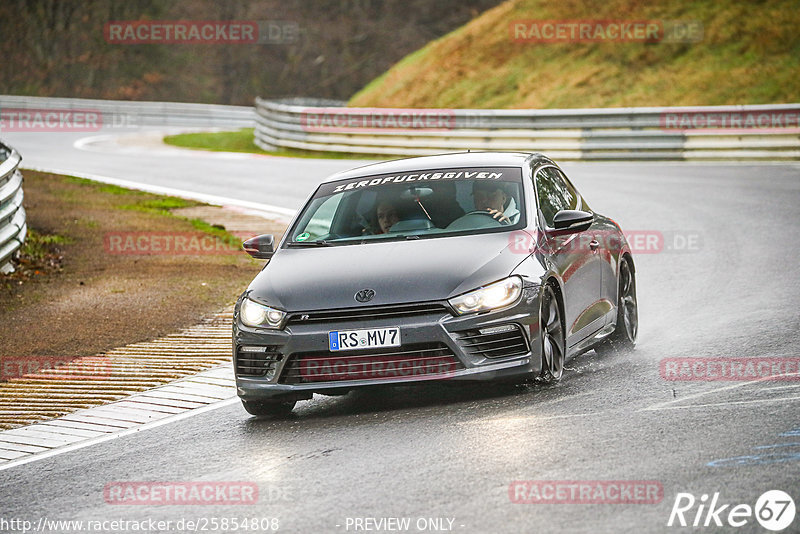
(383,213)
(386,216)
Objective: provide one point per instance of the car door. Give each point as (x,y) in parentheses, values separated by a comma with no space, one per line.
(576,257)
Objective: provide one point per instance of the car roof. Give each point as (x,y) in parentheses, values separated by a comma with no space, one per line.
(441,161)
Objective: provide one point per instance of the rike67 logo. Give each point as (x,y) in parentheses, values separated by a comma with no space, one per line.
(774,510)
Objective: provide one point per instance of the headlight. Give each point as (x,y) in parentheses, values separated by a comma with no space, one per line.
(259,316)
(497,295)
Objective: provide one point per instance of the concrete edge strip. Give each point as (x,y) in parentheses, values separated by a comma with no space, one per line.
(94,144)
(104,410)
(254,208)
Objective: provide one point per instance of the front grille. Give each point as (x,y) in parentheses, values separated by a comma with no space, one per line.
(493,344)
(409,361)
(373,312)
(257,363)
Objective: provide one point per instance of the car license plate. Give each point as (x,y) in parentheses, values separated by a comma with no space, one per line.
(363,339)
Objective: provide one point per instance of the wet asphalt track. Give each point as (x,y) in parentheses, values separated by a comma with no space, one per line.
(443,452)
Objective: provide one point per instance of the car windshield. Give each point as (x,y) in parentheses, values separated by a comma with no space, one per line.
(413,205)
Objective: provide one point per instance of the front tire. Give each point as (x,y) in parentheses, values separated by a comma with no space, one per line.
(627,329)
(271,408)
(551,334)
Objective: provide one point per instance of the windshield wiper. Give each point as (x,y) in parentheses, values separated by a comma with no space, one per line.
(322,243)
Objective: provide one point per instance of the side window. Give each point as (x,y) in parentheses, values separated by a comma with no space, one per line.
(551,199)
(555,193)
(567,191)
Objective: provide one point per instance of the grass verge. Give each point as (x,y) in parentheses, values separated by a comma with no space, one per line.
(242,141)
(74,295)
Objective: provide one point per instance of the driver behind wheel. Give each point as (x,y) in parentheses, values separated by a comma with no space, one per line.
(494,198)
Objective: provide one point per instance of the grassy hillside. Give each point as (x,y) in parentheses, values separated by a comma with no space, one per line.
(749,53)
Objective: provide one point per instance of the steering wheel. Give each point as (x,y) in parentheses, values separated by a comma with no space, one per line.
(484,212)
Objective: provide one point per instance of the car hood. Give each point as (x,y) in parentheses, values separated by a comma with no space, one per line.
(304,279)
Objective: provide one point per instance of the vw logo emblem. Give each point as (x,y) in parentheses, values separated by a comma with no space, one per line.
(365,295)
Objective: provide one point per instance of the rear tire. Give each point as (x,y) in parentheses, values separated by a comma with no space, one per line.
(271,408)
(627,329)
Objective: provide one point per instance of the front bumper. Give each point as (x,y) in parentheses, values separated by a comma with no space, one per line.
(511,354)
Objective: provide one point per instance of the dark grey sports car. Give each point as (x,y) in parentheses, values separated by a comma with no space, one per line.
(471,266)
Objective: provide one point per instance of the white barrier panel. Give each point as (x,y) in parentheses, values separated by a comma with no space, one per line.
(13,228)
(124,113)
(756,132)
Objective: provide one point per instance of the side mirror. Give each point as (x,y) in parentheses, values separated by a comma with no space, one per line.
(261,247)
(573,221)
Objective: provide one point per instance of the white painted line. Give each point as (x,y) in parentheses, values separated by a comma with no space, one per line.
(266,211)
(724,404)
(101,439)
(663,405)
(782,387)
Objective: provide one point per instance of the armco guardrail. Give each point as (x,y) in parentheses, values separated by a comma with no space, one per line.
(689,133)
(13,228)
(125,113)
